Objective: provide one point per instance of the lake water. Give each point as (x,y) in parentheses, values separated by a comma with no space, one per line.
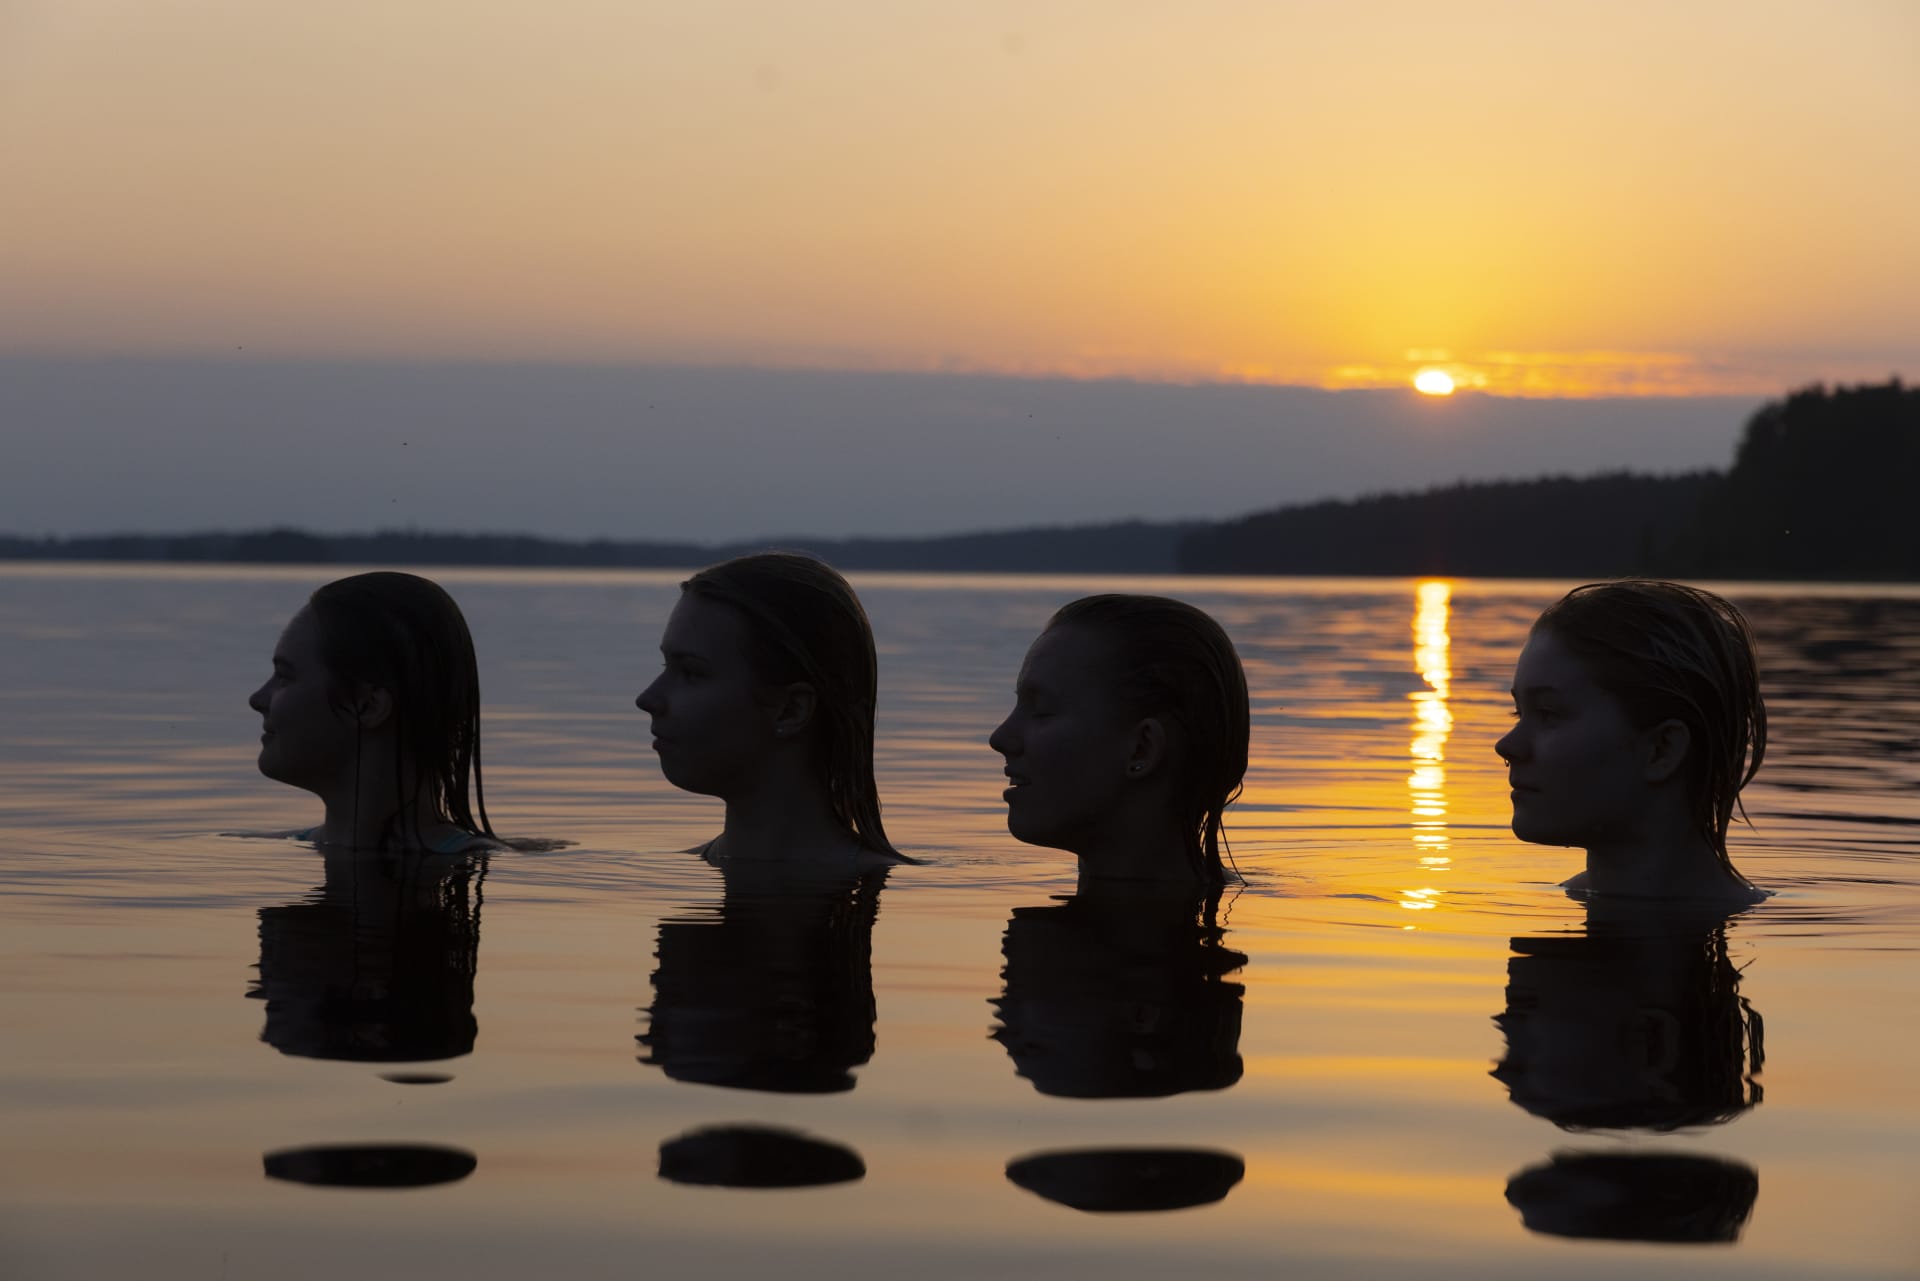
(1402,1051)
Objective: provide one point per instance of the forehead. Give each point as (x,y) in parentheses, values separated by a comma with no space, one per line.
(300,638)
(1063,659)
(1545,661)
(705,627)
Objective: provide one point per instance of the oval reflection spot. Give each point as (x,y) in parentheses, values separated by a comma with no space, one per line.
(756,1156)
(1644,1196)
(416,1078)
(1122,1180)
(372,1165)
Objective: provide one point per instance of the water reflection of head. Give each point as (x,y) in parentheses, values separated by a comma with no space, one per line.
(1121,993)
(374,706)
(773,990)
(378,964)
(1666,1197)
(1638,722)
(1128,738)
(1636,1024)
(766,700)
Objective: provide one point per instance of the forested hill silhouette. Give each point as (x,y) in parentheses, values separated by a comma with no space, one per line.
(1822,486)
(1819,488)
(1553,528)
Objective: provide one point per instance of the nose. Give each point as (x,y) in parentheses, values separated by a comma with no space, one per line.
(649,700)
(258,700)
(1510,745)
(1003,740)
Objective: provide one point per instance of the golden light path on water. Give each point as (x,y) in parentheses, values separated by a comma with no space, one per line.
(1432,722)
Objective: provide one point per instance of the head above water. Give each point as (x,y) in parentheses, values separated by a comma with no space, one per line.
(1127,701)
(805,630)
(1677,662)
(380,660)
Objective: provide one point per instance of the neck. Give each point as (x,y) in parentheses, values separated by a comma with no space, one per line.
(1152,850)
(367,812)
(1672,864)
(783,815)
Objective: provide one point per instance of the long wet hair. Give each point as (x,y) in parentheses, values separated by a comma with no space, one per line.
(805,625)
(403,633)
(1168,660)
(1668,651)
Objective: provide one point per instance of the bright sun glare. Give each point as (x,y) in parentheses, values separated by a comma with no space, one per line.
(1433,382)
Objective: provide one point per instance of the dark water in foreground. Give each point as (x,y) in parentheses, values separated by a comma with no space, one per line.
(1399,1051)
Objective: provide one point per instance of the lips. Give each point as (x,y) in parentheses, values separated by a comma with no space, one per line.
(1014,783)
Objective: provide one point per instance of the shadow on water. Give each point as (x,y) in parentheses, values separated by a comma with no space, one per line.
(377,965)
(757,1156)
(773,989)
(1120,1180)
(1115,994)
(1637,1024)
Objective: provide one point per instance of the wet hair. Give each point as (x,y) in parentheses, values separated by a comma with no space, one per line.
(403,633)
(1668,651)
(805,625)
(1167,659)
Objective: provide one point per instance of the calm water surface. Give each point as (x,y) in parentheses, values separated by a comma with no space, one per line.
(1398,1051)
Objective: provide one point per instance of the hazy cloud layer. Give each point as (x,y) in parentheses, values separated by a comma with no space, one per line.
(93,446)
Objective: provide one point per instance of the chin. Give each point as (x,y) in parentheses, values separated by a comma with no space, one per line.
(1028,832)
(1535,832)
(689,780)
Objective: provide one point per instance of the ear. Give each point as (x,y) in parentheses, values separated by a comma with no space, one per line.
(372,707)
(793,709)
(1667,745)
(1146,748)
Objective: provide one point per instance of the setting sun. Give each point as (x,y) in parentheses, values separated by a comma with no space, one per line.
(1433,382)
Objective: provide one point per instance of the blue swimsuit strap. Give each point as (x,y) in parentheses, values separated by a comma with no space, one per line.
(452,844)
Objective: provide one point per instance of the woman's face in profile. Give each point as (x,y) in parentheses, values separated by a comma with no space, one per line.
(1575,762)
(305,739)
(1065,742)
(711,724)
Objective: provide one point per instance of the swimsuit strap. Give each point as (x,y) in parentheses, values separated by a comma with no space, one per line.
(454,843)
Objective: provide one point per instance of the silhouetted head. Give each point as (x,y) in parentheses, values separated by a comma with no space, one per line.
(766,654)
(1126,701)
(1627,687)
(378,658)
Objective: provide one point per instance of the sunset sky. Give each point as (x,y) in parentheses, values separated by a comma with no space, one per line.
(1545,199)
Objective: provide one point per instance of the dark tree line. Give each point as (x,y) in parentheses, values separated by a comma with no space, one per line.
(1553,528)
(1821,487)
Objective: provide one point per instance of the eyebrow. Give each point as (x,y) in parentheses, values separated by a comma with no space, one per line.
(1535,689)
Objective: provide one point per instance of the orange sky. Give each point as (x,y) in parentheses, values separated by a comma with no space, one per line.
(1611,199)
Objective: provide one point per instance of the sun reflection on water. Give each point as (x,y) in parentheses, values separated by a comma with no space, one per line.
(1432,722)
